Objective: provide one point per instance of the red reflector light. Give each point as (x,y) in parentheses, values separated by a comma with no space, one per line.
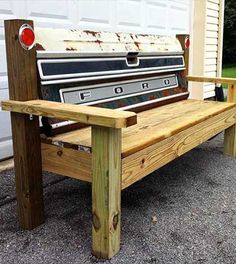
(187,43)
(26,36)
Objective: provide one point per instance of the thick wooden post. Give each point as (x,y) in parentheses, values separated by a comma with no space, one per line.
(182,39)
(230,133)
(106,191)
(22,79)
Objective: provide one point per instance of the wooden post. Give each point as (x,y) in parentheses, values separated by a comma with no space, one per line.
(22,79)
(106,191)
(182,40)
(230,133)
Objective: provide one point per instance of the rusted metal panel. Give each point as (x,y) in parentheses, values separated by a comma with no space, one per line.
(92,41)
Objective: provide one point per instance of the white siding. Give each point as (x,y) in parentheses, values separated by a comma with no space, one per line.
(207,47)
(144,16)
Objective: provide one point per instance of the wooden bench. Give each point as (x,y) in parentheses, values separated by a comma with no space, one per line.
(113,150)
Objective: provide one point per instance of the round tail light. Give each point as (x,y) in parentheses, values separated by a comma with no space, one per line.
(26,36)
(187,43)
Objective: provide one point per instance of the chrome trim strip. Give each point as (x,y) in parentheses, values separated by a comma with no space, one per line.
(153,101)
(107,76)
(119,97)
(61,76)
(41,54)
(84,87)
(127,96)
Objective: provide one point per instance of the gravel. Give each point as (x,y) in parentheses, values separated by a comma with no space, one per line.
(183,213)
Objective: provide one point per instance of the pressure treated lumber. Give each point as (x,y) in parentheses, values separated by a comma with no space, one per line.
(80,113)
(211,79)
(67,162)
(106,191)
(154,125)
(22,79)
(145,161)
(182,39)
(230,133)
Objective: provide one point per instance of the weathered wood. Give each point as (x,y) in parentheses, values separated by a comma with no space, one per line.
(81,113)
(230,133)
(154,125)
(22,79)
(67,162)
(143,162)
(106,191)
(211,79)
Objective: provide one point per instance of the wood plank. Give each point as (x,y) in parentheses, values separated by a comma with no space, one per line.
(80,113)
(22,78)
(231,96)
(67,162)
(230,133)
(211,79)
(182,39)
(106,191)
(155,125)
(230,141)
(143,162)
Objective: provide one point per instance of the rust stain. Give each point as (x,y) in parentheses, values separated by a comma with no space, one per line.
(71,49)
(91,32)
(137,44)
(39,47)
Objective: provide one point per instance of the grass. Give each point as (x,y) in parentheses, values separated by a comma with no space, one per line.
(229,70)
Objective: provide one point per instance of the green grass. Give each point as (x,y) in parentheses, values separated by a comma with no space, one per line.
(229,70)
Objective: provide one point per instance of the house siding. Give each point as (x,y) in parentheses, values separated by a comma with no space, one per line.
(207,47)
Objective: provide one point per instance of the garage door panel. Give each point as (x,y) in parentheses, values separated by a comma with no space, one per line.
(51,13)
(179,16)
(129,15)
(156,24)
(95,14)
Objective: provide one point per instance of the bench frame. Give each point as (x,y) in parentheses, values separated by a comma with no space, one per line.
(105,162)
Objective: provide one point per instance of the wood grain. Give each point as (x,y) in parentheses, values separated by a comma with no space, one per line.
(22,79)
(143,162)
(155,124)
(182,39)
(106,191)
(67,162)
(80,113)
(211,79)
(230,133)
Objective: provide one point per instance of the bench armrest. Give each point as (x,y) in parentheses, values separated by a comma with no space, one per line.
(211,79)
(84,114)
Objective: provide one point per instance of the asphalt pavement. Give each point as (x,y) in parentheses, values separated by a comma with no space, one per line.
(183,213)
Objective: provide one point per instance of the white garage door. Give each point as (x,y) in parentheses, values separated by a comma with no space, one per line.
(144,16)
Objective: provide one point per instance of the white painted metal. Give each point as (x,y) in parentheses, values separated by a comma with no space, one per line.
(164,17)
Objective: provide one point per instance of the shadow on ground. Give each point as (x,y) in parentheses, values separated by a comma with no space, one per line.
(193,202)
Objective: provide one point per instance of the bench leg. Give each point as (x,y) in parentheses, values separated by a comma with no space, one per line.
(28,170)
(230,141)
(106,191)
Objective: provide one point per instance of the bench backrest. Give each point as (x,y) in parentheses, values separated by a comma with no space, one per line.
(113,70)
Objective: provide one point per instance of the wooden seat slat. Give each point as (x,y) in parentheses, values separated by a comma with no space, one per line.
(154,125)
